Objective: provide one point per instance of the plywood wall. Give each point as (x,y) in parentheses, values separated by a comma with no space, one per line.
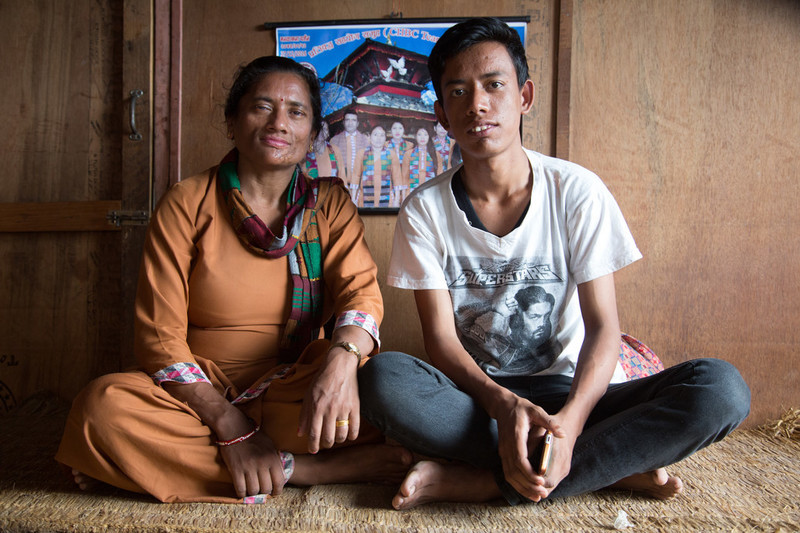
(689,111)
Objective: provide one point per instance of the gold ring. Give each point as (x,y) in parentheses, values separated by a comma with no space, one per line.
(342,423)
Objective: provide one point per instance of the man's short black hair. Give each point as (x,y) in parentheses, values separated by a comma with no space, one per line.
(533,295)
(469,33)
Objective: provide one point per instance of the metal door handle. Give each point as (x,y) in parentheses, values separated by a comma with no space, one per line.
(135,95)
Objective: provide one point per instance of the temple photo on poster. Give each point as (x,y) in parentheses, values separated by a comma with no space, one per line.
(379,133)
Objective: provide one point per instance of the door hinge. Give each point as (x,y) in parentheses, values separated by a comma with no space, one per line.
(128,218)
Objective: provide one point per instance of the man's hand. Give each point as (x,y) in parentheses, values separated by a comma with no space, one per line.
(563,446)
(521,426)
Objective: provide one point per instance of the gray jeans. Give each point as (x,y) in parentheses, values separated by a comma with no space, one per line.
(636,426)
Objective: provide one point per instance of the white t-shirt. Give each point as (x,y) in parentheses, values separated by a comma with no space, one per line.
(515,297)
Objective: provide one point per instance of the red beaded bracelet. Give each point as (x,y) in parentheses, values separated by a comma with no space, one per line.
(237,440)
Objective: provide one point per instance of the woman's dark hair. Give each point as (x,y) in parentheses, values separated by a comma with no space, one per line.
(434,153)
(253,72)
(469,33)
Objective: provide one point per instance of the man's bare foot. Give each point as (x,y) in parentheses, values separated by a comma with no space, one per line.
(430,481)
(379,463)
(656,484)
(83,481)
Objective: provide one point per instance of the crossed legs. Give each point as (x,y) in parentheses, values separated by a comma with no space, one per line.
(635,430)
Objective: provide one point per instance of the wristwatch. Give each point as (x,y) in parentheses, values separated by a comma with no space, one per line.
(350,347)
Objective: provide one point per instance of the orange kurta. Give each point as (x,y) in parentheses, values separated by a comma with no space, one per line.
(204,299)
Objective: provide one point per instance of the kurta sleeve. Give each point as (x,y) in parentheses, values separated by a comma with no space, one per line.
(349,272)
(161,309)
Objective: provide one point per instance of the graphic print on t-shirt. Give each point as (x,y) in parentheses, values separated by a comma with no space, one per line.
(506,312)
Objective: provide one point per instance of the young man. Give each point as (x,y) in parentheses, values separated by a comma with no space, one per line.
(511,259)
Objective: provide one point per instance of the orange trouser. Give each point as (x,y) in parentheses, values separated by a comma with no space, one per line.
(127,431)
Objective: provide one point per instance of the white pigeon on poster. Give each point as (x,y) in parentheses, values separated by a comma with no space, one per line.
(399,64)
(386,74)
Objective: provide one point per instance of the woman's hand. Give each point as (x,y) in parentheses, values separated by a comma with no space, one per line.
(255,466)
(331,411)
(254,463)
(331,408)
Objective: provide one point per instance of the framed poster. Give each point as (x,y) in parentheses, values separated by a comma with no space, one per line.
(379,133)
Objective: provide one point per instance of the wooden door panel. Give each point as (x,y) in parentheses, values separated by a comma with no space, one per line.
(62,265)
(58,315)
(16,217)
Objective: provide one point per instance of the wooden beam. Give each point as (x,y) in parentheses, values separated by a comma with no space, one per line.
(167,97)
(137,157)
(564,62)
(57,216)
(176,93)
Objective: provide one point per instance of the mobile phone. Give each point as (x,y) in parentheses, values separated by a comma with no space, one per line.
(546,455)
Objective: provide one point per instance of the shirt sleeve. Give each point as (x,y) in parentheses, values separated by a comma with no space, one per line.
(349,271)
(161,309)
(418,253)
(600,241)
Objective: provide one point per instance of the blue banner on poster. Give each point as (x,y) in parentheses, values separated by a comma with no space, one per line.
(375,84)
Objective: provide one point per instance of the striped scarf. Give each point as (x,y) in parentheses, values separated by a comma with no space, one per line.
(399,148)
(312,171)
(416,172)
(384,173)
(369,162)
(443,147)
(300,241)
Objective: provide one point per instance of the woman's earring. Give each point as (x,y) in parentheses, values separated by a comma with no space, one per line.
(230,135)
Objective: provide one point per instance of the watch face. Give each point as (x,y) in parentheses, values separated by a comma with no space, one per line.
(350,347)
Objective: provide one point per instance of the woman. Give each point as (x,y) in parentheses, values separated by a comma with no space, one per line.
(397,142)
(237,394)
(379,170)
(322,159)
(421,164)
(443,144)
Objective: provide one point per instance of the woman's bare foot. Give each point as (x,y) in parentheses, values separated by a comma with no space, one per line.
(656,484)
(83,481)
(430,481)
(379,463)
